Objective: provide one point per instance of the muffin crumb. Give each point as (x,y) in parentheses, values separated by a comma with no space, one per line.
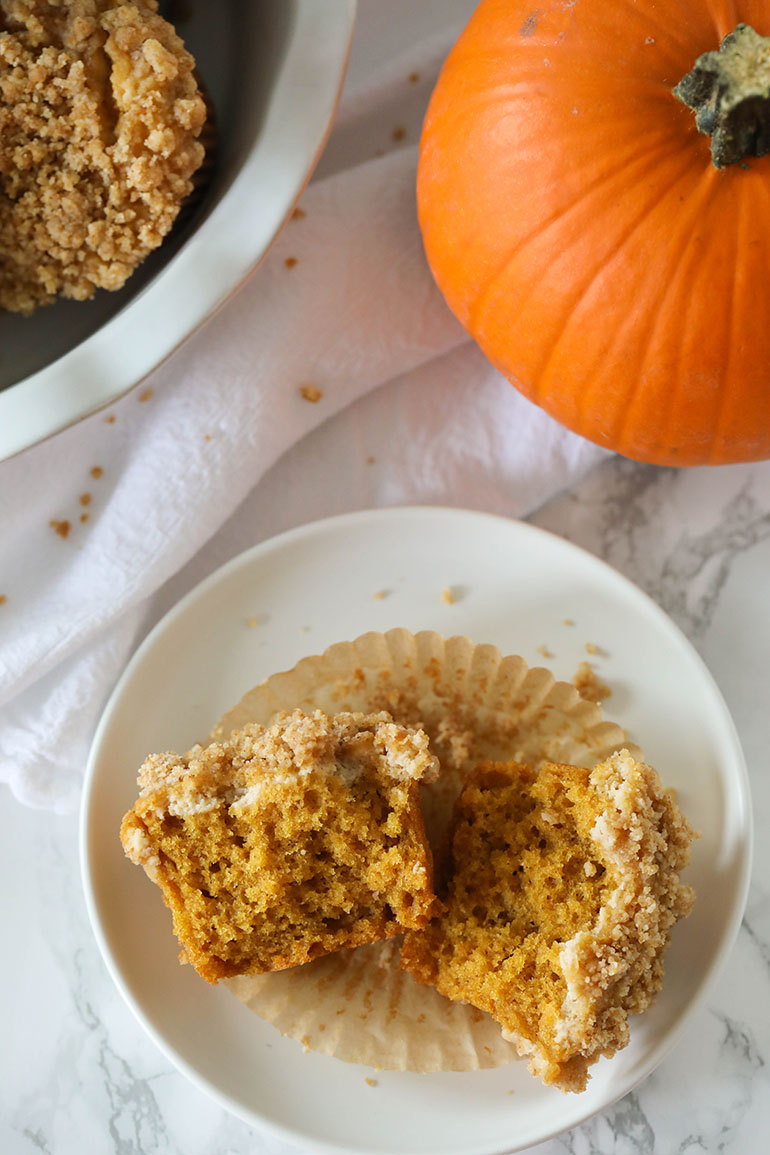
(588,685)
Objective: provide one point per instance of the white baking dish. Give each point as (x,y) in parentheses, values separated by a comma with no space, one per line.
(274,70)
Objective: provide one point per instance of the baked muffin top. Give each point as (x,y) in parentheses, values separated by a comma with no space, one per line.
(99,117)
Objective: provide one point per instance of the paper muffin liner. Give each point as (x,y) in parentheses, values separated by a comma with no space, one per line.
(475,704)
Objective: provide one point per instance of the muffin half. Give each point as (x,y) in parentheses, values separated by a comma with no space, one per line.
(287,842)
(563,888)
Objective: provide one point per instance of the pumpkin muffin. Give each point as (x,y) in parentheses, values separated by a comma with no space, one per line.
(563,889)
(287,842)
(99,118)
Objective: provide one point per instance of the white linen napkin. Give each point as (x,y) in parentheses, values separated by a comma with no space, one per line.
(342,332)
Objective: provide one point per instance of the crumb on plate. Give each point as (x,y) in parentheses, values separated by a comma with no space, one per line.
(588,685)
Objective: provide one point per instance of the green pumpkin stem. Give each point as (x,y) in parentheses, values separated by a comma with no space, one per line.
(729,91)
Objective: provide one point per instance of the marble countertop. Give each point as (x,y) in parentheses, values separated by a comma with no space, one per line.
(80,1075)
(78,1072)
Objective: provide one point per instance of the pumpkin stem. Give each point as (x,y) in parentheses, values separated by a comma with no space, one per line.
(729,91)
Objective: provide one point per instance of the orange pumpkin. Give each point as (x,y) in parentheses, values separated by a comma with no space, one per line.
(579,228)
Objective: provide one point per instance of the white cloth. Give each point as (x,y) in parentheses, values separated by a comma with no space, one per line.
(359,319)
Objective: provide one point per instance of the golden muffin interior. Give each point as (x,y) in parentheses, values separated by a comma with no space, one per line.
(287,842)
(563,889)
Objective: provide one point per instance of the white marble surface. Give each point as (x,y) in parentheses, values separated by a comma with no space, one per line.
(79,1075)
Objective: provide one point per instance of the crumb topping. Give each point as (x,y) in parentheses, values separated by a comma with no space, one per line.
(294,745)
(99,115)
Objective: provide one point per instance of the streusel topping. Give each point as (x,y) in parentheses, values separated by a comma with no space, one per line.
(99,118)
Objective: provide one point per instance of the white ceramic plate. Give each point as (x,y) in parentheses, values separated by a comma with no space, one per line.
(274,70)
(514,586)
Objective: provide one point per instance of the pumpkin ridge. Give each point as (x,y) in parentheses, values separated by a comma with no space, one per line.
(716,451)
(634,158)
(665,26)
(618,434)
(593,384)
(721,445)
(679,243)
(540,372)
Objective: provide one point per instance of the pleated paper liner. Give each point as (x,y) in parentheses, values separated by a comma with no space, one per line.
(474,704)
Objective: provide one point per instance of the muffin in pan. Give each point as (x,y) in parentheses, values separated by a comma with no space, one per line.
(100,115)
